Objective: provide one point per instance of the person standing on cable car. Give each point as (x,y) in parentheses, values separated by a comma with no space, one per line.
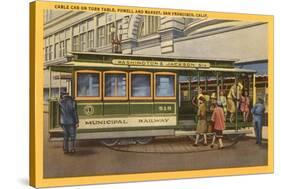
(69,121)
(195,101)
(222,98)
(213,102)
(245,105)
(233,97)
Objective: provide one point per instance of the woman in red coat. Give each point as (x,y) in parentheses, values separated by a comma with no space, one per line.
(219,124)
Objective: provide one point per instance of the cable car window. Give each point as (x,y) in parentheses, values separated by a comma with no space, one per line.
(88,84)
(141,85)
(165,85)
(115,85)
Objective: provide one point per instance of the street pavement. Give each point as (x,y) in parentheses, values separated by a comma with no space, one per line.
(92,158)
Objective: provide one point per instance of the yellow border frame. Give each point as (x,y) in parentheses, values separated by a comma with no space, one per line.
(36,106)
(151,85)
(175,86)
(123,98)
(88,97)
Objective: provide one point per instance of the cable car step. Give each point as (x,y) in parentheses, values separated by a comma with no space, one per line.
(225,132)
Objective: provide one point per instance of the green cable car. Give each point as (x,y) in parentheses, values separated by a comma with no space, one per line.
(139,97)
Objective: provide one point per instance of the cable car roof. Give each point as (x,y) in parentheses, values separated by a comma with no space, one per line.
(89,60)
(68,67)
(171,57)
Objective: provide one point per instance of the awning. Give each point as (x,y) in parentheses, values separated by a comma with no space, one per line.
(261,67)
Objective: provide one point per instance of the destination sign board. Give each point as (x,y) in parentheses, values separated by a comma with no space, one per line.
(161,63)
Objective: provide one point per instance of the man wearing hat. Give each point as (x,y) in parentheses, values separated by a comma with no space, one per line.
(202,123)
(68,121)
(258,111)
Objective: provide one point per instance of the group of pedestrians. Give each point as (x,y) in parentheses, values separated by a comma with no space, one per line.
(217,123)
(219,108)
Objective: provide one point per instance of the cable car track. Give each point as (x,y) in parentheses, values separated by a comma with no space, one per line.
(182,148)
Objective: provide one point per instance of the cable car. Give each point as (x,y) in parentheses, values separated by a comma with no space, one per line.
(139,97)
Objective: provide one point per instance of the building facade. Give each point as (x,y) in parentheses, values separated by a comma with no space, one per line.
(67,31)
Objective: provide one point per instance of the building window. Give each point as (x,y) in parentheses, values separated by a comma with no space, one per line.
(101,37)
(75,43)
(83,27)
(101,19)
(67,46)
(108,33)
(50,52)
(109,18)
(83,42)
(62,49)
(150,25)
(165,85)
(48,15)
(141,85)
(118,26)
(115,86)
(46,53)
(57,50)
(91,39)
(88,85)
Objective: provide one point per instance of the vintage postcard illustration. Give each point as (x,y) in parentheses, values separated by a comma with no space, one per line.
(132,94)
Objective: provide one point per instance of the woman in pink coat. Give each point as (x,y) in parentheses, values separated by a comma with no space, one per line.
(219,124)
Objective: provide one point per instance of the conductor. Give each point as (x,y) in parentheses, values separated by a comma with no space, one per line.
(69,121)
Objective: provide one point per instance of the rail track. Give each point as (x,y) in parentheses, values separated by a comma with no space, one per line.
(172,146)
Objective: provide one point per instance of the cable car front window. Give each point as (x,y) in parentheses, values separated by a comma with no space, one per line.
(115,85)
(165,85)
(88,84)
(141,86)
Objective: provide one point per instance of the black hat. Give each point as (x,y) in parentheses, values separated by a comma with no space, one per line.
(64,94)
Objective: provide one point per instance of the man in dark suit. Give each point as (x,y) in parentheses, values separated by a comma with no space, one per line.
(69,121)
(258,113)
